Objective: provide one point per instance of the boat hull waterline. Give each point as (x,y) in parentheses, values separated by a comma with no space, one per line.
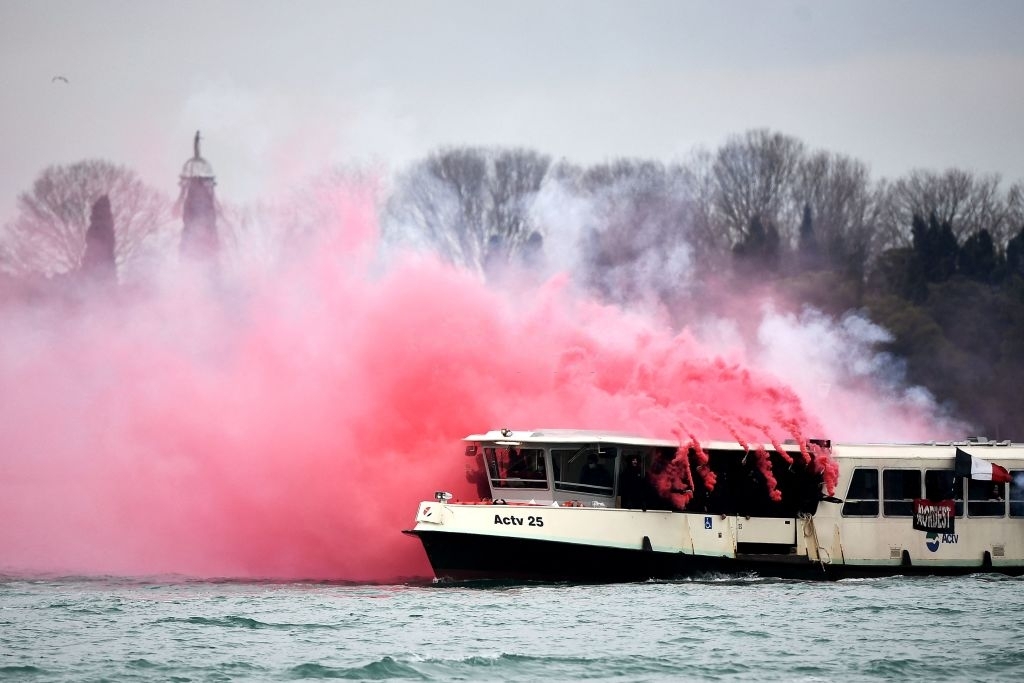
(553,519)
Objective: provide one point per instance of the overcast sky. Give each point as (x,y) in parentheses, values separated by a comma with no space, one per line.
(284,89)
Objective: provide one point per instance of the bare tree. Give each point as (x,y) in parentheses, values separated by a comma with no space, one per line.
(336,207)
(843,206)
(438,204)
(467,202)
(698,177)
(753,177)
(1014,209)
(48,234)
(516,177)
(638,240)
(969,203)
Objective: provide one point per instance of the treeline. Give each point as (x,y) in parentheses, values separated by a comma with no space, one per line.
(935,257)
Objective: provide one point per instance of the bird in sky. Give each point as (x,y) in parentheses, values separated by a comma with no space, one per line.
(58,78)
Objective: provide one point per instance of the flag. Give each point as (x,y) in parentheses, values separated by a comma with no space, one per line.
(975,468)
(934,515)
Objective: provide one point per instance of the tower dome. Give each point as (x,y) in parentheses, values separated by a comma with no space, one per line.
(196,168)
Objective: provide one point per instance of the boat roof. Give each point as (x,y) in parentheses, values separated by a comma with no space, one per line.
(575,436)
(982,448)
(511,437)
(989,450)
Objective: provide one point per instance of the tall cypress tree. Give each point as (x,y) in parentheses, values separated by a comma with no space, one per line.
(977,259)
(936,247)
(808,245)
(946,249)
(98,263)
(1015,255)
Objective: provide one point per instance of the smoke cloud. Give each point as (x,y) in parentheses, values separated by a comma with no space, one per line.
(281,420)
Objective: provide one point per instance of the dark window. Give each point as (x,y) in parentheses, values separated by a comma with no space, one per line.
(1017,493)
(516,468)
(985,499)
(943,485)
(586,470)
(862,496)
(899,489)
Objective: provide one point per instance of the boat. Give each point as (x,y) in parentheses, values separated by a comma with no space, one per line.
(583,505)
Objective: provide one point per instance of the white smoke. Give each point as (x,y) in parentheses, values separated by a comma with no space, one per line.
(857,392)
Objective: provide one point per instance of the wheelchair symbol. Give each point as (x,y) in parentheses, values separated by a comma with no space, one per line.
(707,522)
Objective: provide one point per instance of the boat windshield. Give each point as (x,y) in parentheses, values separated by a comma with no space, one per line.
(516,468)
(585,470)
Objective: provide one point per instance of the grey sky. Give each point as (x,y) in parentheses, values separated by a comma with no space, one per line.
(282,90)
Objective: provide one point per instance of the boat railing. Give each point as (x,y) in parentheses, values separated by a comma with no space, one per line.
(520,483)
(577,487)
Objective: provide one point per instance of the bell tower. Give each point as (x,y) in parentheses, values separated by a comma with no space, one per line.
(199,241)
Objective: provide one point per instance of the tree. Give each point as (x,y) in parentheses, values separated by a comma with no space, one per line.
(1015,255)
(635,243)
(515,178)
(48,234)
(808,242)
(936,248)
(760,246)
(977,259)
(753,175)
(968,203)
(844,204)
(472,205)
(707,236)
(98,263)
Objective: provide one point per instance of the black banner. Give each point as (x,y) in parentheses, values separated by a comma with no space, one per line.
(934,515)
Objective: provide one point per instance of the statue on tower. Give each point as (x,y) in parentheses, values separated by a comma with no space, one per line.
(199,241)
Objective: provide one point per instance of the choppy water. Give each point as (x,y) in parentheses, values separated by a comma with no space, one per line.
(714,629)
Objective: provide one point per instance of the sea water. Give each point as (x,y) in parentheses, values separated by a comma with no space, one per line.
(711,628)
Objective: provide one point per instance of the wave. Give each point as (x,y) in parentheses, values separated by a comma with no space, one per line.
(727,579)
(502,666)
(240,622)
(382,669)
(20,670)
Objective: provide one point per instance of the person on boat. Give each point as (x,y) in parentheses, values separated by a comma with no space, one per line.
(633,485)
(525,466)
(596,474)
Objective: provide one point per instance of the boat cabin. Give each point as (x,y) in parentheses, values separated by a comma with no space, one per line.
(576,467)
(881,482)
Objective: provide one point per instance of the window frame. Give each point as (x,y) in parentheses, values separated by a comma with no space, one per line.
(909,502)
(491,457)
(986,501)
(877,500)
(959,501)
(609,462)
(1015,476)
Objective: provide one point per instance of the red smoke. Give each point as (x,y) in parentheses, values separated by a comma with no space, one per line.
(284,424)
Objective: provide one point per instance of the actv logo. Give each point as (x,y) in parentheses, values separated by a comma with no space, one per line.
(933,540)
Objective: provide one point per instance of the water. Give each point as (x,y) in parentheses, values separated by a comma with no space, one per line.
(710,629)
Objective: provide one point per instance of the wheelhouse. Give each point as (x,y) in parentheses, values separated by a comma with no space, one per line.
(570,467)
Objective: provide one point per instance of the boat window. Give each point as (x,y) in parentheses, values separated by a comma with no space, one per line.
(899,489)
(985,499)
(742,488)
(516,468)
(1017,493)
(944,485)
(587,470)
(862,496)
